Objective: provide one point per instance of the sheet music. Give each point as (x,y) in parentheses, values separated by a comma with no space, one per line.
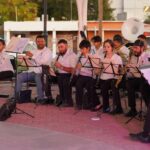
(17,44)
(146,73)
(95,61)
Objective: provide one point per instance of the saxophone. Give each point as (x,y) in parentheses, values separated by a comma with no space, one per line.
(122,71)
(126,67)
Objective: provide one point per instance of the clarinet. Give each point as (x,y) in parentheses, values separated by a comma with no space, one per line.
(58,57)
(73,73)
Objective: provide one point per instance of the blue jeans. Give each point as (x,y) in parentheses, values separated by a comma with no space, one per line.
(30,76)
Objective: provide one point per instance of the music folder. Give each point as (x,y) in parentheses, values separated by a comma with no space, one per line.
(145,70)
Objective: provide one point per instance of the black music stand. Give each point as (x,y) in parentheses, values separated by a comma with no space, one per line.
(139,116)
(104,70)
(95,63)
(15,92)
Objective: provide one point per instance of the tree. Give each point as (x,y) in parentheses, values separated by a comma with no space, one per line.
(19,10)
(93,10)
(61,9)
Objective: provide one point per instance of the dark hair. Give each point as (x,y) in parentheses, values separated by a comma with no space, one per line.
(96,38)
(118,38)
(139,43)
(84,44)
(62,41)
(110,42)
(2,41)
(142,36)
(40,36)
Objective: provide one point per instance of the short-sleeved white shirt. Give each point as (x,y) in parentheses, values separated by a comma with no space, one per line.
(69,59)
(107,72)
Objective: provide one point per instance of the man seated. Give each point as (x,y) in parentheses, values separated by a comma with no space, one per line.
(41,56)
(6,68)
(135,81)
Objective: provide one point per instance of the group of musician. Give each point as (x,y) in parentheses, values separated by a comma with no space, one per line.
(116,66)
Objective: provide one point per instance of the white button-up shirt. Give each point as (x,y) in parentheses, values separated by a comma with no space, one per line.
(69,59)
(40,57)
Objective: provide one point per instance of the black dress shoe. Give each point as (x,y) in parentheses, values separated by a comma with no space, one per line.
(107,110)
(136,136)
(117,111)
(97,108)
(41,101)
(131,113)
(143,137)
(78,107)
(66,105)
(58,103)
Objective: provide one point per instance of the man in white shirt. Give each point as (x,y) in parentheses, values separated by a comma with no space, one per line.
(41,56)
(136,81)
(120,48)
(65,64)
(85,77)
(97,47)
(6,68)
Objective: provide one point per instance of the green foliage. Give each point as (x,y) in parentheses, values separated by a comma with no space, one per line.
(24,10)
(107,10)
(61,9)
(20,10)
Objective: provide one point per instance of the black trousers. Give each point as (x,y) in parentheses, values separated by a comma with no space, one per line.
(65,90)
(147,121)
(105,86)
(96,85)
(6,75)
(87,83)
(137,84)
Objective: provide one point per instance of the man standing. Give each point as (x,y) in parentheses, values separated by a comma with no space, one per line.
(41,56)
(65,63)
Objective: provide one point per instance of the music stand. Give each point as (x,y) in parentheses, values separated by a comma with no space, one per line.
(107,68)
(16,46)
(14,100)
(96,63)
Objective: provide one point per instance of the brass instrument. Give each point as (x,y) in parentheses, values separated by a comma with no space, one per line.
(131,29)
(122,72)
(121,54)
